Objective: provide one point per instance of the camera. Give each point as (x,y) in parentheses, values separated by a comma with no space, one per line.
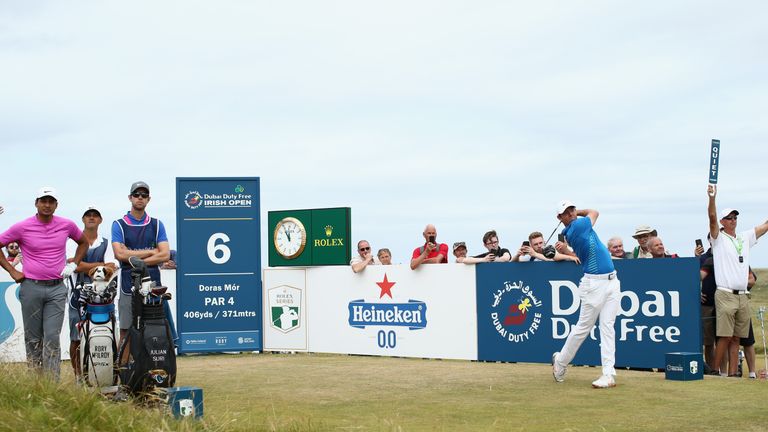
(698,243)
(561,238)
(526,243)
(431,239)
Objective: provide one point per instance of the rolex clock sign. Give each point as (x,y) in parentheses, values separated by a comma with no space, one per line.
(309,237)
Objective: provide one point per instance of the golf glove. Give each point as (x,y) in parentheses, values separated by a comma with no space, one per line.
(68,270)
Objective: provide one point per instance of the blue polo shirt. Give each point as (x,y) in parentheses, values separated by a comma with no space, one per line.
(594,256)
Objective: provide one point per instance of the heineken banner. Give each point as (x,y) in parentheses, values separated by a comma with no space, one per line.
(525,311)
(384,310)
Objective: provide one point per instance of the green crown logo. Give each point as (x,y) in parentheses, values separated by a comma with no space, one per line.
(328,230)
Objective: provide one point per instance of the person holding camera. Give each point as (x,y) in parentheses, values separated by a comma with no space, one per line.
(534,250)
(432,252)
(494,254)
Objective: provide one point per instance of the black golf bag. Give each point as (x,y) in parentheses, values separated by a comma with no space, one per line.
(147,356)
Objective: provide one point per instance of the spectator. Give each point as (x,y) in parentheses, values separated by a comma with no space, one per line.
(616,248)
(432,252)
(730,253)
(171,263)
(536,251)
(385,256)
(460,251)
(494,253)
(642,234)
(655,246)
(137,234)
(14,253)
(43,294)
(99,253)
(363,258)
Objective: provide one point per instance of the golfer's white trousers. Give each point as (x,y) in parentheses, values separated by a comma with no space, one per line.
(600,298)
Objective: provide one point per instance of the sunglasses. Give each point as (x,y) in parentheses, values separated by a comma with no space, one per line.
(140,195)
(365,249)
(13,247)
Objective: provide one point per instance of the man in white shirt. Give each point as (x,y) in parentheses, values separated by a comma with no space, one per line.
(730,253)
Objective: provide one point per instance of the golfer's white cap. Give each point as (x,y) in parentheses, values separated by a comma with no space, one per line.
(47,191)
(563,205)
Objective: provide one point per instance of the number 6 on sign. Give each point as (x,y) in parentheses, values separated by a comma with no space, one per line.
(213,248)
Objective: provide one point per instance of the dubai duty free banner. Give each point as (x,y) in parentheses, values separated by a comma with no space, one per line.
(526,311)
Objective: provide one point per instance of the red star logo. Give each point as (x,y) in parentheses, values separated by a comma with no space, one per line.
(386,287)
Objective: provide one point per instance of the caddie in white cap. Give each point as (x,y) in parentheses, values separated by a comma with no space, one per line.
(600,297)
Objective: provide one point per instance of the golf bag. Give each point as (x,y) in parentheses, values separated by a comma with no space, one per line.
(147,356)
(98,347)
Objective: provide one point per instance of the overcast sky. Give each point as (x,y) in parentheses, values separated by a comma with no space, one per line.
(468,115)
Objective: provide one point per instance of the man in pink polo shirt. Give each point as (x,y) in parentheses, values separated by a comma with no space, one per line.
(43,295)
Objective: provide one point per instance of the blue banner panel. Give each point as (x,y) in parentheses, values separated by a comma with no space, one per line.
(526,311)
(218,269)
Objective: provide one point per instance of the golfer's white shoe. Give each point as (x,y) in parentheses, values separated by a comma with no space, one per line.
(558,372)
(605,381)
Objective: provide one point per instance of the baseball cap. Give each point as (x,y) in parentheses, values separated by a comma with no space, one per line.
(139,184)
(91,208)
(563,206)
(458,245)
(47,191)
(644,229)
(727,212)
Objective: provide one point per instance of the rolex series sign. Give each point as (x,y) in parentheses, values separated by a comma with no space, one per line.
(311,237)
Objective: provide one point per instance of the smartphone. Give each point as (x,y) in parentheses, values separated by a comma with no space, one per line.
(526,243)
(561,238)
(431,239)
(698,243)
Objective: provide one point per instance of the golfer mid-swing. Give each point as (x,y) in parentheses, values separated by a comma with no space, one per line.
(599,292)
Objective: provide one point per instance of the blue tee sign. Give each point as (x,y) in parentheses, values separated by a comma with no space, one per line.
(218,270)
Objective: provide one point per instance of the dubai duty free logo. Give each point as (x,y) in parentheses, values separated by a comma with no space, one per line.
(514,312)
(193,199)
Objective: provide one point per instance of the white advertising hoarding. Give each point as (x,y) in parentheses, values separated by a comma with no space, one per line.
(386,310)
(285,311)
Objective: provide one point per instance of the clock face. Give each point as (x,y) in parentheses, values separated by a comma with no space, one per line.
(290,238)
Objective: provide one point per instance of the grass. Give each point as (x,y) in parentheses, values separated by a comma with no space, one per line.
(319,392)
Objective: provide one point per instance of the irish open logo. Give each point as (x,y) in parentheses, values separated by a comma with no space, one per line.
(193,199)
(514,314)
(285,308)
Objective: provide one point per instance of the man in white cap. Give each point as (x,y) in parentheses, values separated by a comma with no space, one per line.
(599,291)
(730,255)
(642,234)
(42,293)
(98,254)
